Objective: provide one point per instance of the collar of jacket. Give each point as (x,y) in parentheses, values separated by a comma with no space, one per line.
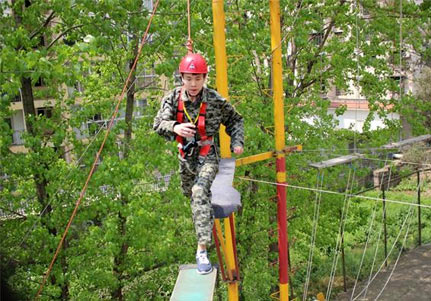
(202,97)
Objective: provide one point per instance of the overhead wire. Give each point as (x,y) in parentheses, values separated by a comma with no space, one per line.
(98,153)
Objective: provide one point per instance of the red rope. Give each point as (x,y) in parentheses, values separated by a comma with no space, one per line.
(189,44)
(96,159)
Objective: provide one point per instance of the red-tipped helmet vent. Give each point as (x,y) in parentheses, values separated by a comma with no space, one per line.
(193,63)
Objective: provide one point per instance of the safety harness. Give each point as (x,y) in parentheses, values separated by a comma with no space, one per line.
(205,142)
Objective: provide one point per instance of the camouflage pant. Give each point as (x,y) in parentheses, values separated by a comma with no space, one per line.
(196,181)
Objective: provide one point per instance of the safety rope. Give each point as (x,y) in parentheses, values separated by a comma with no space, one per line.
(96,159)
(189,44)
(314,232)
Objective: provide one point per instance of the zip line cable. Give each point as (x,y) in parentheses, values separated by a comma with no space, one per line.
(98,153)
(333,192)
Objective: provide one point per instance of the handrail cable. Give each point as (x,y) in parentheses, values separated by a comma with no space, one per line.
(334,192)
(78,202)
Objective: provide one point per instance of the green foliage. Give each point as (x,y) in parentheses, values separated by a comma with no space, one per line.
(131,231)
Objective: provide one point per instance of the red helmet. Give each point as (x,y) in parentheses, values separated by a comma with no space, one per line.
(193,63)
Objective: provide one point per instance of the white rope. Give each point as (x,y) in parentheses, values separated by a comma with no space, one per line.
(387,257)
(340,236)
(377,245)
(365,249)
(313,235)
(398,258)
(374,262)
(334,192)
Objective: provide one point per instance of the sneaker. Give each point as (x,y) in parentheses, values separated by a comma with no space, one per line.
(204,265)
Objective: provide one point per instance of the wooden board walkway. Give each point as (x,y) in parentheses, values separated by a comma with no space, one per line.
(191,286)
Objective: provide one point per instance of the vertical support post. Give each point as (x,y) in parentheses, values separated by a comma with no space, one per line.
(222,88)
(384,224)
(419,210)
(277,93)
(221,66)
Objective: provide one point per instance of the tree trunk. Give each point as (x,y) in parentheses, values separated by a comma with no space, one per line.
(120,258)
(28,103)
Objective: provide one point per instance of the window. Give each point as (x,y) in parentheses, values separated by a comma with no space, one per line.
(339,92)
(39,82)
(46,111)
(316,38)
(146,78)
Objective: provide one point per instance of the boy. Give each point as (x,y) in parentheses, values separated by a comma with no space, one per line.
(192,114)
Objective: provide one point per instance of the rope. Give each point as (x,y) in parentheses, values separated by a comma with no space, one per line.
(373,216)
(398,258)
(334,192)
(78,202)
(369,234)
(313,235)
(383,263)
(189,44)
(346,204)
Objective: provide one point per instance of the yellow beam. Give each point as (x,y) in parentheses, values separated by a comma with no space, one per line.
(266,156)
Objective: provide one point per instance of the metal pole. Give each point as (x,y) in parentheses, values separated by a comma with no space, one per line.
(384,224)
(277,93)
(419,210)
(221,67)
(222,88)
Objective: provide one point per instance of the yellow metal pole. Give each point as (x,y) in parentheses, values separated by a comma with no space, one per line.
(222,88)
(277,84)
(221,67)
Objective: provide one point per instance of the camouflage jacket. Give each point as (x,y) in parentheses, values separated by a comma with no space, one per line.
(218,111)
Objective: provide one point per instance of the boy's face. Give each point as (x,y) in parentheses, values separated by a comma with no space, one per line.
(193,83)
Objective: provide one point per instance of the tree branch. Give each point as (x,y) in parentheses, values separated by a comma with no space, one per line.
(62,34)
(45,24)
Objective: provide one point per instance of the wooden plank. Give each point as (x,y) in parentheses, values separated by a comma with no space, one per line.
(191,286)
(336,161)
(423,138)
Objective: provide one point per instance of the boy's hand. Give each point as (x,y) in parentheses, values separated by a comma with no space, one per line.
(186,130)
(238,150)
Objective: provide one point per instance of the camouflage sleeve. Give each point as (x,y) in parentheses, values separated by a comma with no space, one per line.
(234,124)
(166,119)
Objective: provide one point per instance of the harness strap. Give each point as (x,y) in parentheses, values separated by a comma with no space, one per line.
(205,142)
(205,147)
(180,118)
